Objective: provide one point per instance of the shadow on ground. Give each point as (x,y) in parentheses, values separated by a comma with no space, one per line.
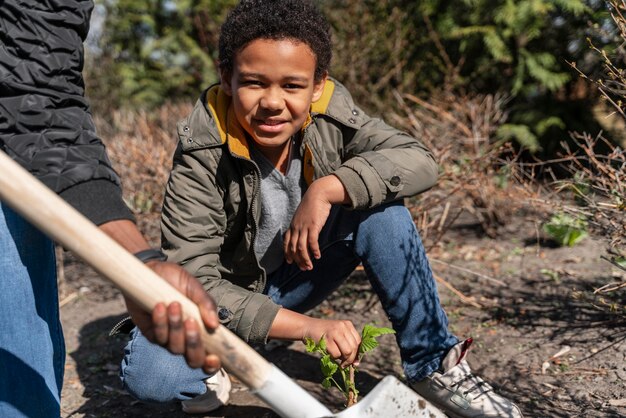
(553,316)
(97,361)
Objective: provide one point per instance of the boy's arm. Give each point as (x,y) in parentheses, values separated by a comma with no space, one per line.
(342,339)
(193,227)
(385,164)
(380,164)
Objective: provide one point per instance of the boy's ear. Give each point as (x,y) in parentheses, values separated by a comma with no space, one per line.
(225,82)
(318,88)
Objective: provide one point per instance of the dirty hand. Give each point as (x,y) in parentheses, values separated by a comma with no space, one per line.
(342,339)
(166,327)
(301,239)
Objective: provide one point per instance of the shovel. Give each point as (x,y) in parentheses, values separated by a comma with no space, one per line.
(48,212)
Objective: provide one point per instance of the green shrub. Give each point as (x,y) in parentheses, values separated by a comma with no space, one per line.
(566,230)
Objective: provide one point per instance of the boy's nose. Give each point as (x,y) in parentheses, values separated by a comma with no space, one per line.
(272,99)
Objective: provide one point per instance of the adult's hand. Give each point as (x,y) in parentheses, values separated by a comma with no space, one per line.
(164,325)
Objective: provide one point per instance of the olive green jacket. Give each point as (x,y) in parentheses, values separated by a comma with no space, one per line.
(211,208)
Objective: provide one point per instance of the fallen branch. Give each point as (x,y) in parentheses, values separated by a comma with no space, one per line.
(465,299)
(609,287)
(463,269)
(68,299)
(615,263)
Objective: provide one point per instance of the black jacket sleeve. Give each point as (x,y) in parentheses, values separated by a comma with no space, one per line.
(45,121)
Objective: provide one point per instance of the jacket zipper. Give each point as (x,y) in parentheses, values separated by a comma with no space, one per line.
(255,193)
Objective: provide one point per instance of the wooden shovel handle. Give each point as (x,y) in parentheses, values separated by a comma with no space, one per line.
(52,215)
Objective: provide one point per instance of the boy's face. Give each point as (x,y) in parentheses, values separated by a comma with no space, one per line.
(272,85)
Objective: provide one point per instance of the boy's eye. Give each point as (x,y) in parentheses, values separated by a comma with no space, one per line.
(251,83)
(292,86)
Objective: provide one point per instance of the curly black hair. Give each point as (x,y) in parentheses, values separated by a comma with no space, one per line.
(298,20)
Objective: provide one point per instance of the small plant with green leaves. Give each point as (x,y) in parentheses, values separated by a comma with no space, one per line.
(565,229)
(552,274)
(330,367)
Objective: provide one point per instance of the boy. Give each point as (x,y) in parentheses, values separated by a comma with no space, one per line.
(281,186)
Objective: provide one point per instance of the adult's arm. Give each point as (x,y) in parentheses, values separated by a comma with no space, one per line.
(45,120)
(46,126)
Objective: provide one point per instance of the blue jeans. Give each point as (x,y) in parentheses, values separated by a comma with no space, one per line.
(32,349)
(388,245)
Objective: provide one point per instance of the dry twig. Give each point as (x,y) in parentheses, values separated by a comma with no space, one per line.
(465,299)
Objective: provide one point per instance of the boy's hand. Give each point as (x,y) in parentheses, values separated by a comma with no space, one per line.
(342,339)
(301,239)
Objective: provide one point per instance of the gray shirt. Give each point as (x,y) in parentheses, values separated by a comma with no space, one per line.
(280,197)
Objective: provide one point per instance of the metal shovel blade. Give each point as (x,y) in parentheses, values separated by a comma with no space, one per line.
(391,398)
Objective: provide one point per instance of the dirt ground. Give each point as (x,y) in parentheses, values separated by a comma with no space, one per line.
(515,296)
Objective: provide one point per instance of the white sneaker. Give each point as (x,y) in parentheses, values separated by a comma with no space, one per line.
(460,394)
(217,395)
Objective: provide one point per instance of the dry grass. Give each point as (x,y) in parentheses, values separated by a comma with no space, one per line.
(480,177)
(141,145)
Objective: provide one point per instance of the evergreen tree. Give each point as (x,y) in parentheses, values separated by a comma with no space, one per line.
(157,50)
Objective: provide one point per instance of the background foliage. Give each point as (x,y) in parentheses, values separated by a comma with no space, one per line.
(519,48)
(485,84)
(154,51)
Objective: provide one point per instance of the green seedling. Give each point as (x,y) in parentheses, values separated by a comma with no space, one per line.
(565,229)
(554,275)
(330,367)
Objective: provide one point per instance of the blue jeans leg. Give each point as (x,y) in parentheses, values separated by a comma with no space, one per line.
(301,291)
(152,374)
(395,260)
(32,348)
(386,241)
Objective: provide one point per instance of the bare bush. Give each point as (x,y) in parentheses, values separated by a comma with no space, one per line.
(595,191)
(612,84)
(480,177)
(597,181)
(598,184)
(141,145)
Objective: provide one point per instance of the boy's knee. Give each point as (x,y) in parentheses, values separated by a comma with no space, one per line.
(392,218)
(153,375)
(150,389)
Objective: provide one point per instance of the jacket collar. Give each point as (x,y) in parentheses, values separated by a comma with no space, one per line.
(230,131)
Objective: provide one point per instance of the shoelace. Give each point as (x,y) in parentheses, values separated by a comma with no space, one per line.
(479,383)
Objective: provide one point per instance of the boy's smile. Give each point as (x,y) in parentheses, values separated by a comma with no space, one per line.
(272,85)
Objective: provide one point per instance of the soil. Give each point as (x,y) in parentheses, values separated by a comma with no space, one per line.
(538,336)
